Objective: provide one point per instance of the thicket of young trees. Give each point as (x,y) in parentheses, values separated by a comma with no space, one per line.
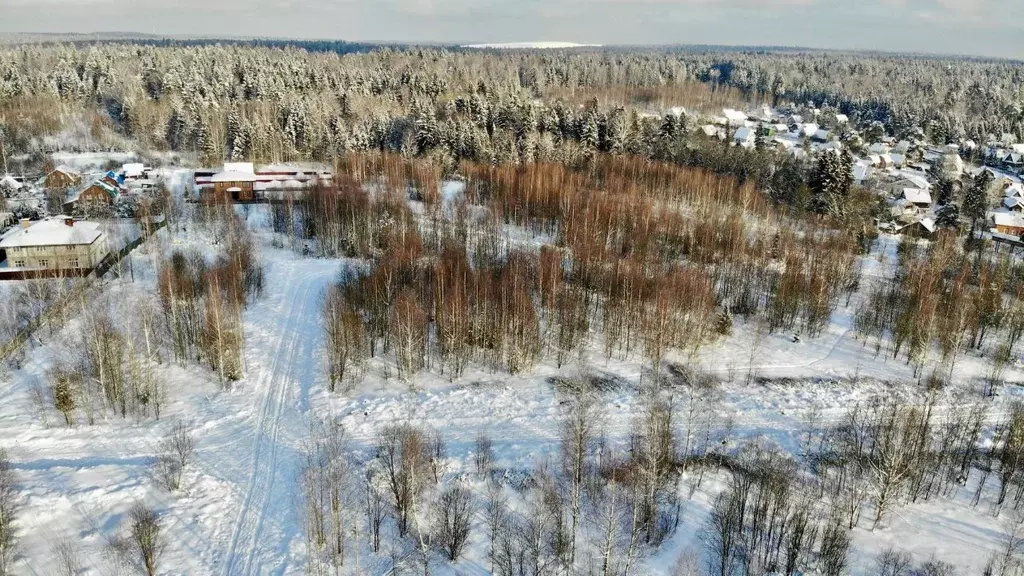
(637,257)
(110,364)
(944,301)
(602,507)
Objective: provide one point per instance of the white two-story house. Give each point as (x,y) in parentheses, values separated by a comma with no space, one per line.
(59,243)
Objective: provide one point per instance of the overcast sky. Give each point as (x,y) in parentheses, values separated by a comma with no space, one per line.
(976,27)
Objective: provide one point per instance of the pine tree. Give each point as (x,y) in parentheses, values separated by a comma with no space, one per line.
(975,202)
(948,217)
(944,191)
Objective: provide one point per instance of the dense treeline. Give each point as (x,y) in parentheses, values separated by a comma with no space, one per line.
(270,104)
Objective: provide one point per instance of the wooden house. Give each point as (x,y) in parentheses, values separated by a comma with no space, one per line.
(102,192)
(62,178)
(1008,223)
(924,228)
(232,185)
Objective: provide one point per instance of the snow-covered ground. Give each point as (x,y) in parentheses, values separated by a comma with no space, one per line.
(237,513)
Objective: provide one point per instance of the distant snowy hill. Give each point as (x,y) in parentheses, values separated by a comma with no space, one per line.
(530,45)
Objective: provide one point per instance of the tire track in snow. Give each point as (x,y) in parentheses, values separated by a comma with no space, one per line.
(249,522)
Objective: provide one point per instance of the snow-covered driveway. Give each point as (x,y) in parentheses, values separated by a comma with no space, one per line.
(255,448)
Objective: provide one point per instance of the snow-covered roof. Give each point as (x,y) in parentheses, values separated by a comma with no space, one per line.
(878,148)
(709,130)
(901,147)
(744,134)
(1010,219)
(734,116)
(842,118)
(1014,189)
(1012,202)
(821,135)
(915,179)
(133,169)
(8,181)
(247,167)
(926,223)
(917,196)
(898,159)
(809,129)
(52,232)
(233,176)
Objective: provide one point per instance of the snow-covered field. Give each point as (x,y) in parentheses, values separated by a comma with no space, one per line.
(237,514)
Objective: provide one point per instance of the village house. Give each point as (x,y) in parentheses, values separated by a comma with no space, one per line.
(61,178)
(59,243)
(134,171)
(745,137)
(735,117)
(1008,223)
(1013,189)
(917,198)
(1013,203)
(102,192)
(235,183)
(924,228)
(711,131)
(909,181)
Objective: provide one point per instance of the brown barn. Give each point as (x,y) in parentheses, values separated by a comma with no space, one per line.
(62,178)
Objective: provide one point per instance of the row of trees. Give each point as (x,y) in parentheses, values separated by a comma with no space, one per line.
(593,509)
(202,304)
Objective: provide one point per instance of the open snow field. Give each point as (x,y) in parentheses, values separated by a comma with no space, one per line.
(237,513)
